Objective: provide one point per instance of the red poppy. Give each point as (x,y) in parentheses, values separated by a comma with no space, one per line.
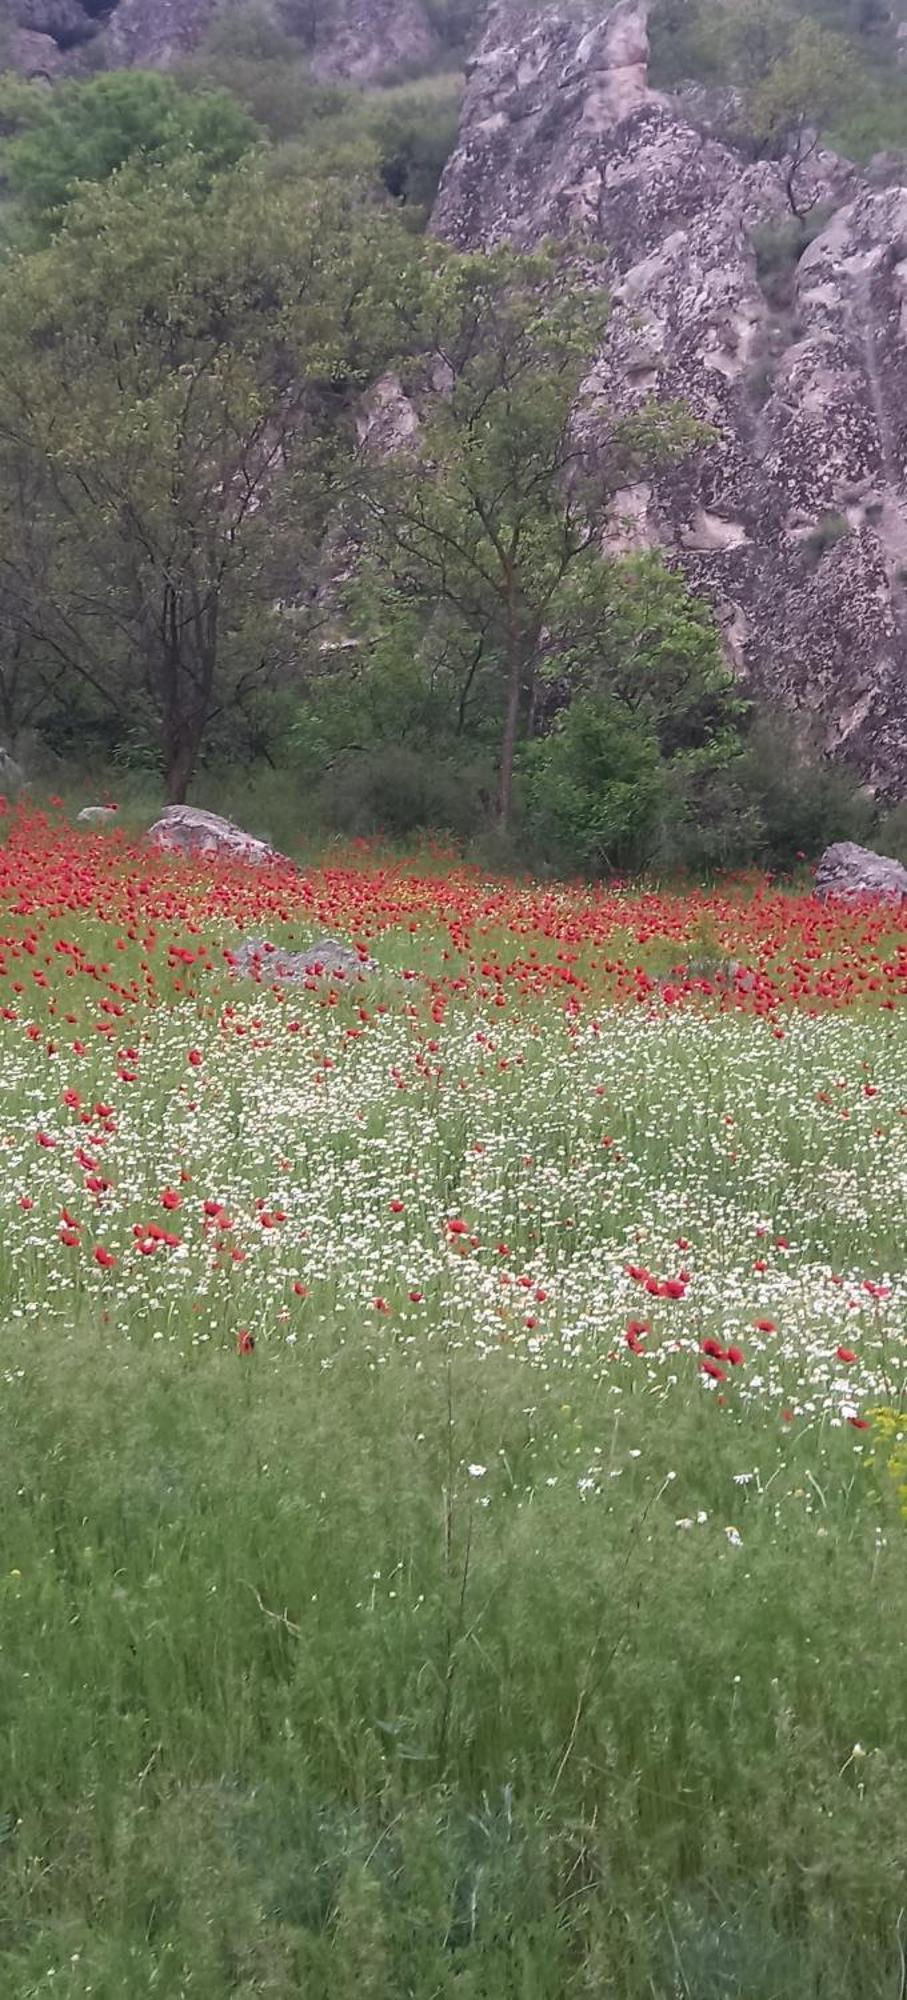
(245,1342)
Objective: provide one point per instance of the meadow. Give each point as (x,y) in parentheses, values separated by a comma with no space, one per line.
(453,1491)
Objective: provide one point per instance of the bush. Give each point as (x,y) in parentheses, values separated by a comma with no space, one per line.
(591,789)
(826,534)
(135,118)
(399,791)
(803,801)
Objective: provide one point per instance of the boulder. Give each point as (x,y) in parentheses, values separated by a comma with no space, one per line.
(848,870)
(96,815)
(328,958)
(190,830)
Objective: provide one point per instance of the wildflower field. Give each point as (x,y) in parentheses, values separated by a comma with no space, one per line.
(453,1484)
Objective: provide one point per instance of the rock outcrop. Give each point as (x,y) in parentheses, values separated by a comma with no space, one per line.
(846,870)
(361,41)
(794,521)
(205,835)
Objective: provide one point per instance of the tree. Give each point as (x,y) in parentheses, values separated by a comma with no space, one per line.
(795,77)
(138,120)
(174,386)
(646,714)
(481,524)
(812,82)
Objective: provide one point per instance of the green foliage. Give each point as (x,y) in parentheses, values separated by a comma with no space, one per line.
(826,534)
(226,1601)
(592,788)
(802,799)
(482,531)
(136,120)
(397,791)
(830,65)
(170,377)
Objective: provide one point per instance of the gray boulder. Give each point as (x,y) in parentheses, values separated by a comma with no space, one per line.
(96,815)
(190,830)
(848,870)
(328,958)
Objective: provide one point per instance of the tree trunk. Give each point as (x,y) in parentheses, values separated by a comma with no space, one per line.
(508,741)
(180,769)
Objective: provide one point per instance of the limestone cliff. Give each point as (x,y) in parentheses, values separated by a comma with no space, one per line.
(795,520)
(360,41)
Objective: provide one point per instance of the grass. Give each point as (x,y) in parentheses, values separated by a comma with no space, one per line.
(297,1704)
(446,1643)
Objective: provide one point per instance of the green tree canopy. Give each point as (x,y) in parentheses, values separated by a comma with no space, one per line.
(175,387)
(483,520)
(138,120)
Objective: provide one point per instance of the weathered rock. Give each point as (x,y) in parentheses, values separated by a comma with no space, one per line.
(66,22)
(329,958)
(848,870)
(97,815)
(190,830)
(362,41)
(152,34)
(35,56)
(794,522)
(374,41)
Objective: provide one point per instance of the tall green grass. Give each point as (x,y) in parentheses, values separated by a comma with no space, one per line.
(296,1703)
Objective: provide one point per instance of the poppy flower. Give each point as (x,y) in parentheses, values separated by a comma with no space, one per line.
(845,1354)
(105,1258)
(245,1342)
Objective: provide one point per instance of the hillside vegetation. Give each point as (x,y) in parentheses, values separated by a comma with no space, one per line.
(221,543)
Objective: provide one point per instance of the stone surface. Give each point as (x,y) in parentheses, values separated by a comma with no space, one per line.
(152,34)
(794,521)
(848,870)
(362,41)
(65,21)
(34,55)
(375,41)
(190,830)
(328,958)
(96,815)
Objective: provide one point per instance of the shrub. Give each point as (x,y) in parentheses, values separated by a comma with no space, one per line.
(590,789)
(828,531)
(397,790)
(803,801)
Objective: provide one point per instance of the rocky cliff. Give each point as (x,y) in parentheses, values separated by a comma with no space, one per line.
(794,521)
(361,41)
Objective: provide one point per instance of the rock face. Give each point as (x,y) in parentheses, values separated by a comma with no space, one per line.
(364,41)
(189,830)
(794,521)
(848,870)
